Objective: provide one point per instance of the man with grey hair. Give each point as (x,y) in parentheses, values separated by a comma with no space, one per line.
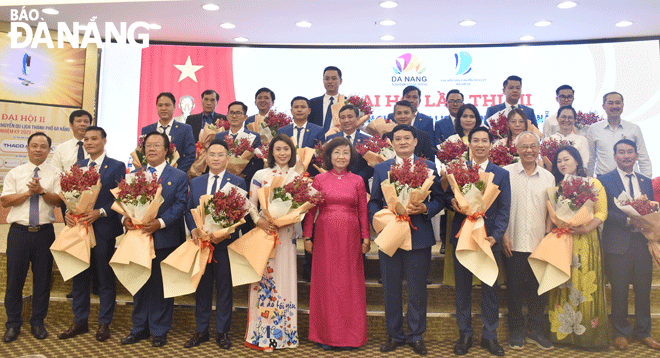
(603,135)
(527,227)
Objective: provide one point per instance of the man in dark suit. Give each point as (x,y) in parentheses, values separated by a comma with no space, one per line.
(414,264)
(217,270)
(444,128)
(495,222)
(180,133)
(197,121)
(421,121)
(152,313)
(627,257)
(106,225)
(302,132)
(403,114)
(512,91)
(320,113)
(264,100)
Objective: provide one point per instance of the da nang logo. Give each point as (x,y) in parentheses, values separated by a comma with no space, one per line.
(409,62)
(463,62)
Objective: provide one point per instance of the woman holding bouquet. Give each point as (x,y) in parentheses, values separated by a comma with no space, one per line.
(337,307)
(566,118)
(577,311)
(273,301)
(517,123)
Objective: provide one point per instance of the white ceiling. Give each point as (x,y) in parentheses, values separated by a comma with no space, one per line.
(355,22)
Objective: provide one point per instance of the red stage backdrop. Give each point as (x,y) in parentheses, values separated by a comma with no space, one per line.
(184,70)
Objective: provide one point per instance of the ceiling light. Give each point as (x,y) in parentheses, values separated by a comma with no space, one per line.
(567,4)
(387,22)
(543,23)
(50,11)
(241,39)
(623,23)
(467,23)
(527,38)
(154,26)
(227,25)
(387,37)
(304,24)
(211,7)
(388,4)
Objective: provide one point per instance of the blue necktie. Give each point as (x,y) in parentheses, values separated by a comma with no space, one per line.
(631,191)
(34,205)
(81,152)
(328,116)
(152,170)
(215,185)
(349,139)
(92,164)
(299,129)
(164,128)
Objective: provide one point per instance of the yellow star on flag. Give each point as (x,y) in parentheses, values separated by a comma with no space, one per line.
(188,70)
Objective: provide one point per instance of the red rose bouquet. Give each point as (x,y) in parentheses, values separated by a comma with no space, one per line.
(548,149)
(137,197)
(656,188)
(498,126)
(317,160)
(240,152)
(646,211)
(80,188)
(140,159)
(502,155)
(375,150)
(216,218)
(365,108)
(268,125)
(449,151)
(474,193)
(585,119)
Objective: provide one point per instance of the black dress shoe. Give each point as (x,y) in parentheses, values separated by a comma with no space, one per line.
(159,341)
(74,330)
(390,345)
(223,340)
(11,334)
(492,346)
(39,332)
(69,295)
(134,338)
(197,339)
(418,347)
(103,333)
(463,345)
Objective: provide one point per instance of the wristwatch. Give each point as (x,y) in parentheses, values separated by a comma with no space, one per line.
(42,194)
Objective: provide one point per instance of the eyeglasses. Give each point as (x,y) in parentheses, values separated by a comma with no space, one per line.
(455,101)
(235,114)
(565,97)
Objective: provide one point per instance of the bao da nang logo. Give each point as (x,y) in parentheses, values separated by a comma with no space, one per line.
(409,67)
(463,62)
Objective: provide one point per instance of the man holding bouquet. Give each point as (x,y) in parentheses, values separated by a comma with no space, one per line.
(627,257)
(107,227)
(495,222)
(152,313)
(413,264)
(218,269)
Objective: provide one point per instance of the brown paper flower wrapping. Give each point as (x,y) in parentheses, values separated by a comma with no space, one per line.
(380,126)
(304,157)
(138,165)
(473,251)
(532,128)
(264,132)
(551,260)
(653,219)
(206,135)
(132,260)
(199,166)
(236,165)
(184,267)
(390,224)
(71,248)
(321,170)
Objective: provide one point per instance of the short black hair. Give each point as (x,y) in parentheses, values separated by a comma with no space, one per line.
(281,138)
(219,142)
(404,127)
(480,129)
(455,91)
(412,88)
(338,142)
(299,98)
(511,78)
(332,68)
(609,93)
(168,95)
(99,129)
(625,141)
(351,107)
(564,87)
(79,113)
(50,142)
(265,89)
(404,103)
(210,91)
(477,117)
(162,135)
(243,105)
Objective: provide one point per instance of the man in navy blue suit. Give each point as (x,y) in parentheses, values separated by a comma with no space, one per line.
(320,113)
(496,221)
(421,121)
(404,114)
(197,121)
(106,225)
(264,100)
(152,313)
(218,270)
(180,133)
(512,91)
(302,132)
(627,257)
(414,264)
(444,128)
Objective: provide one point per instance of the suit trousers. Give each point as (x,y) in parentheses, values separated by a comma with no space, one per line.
(25,248)
(523,286)
(489,302)
(414,264)
(636,267)
(218,270)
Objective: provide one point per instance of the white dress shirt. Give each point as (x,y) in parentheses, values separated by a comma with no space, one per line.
(168,128)
(209,184)
(159,172)
(626,183)
(550,125)
(295,139)
(601,138)
(66,155)
(16,183)
(528,206)
(326,103)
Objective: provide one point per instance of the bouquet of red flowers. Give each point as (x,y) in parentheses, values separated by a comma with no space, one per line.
(365,108)
(379,126)
(140,159)
(375,150)
(574,192)
(646,211)
(642,205)
(466,176)
(501,154)
(268,125)
(548,149)
(584,120)
(225,208)
(76,181)
(298,192)
(498,126)
(656,188)
(450,151)
(317,161)
(405,177)
(240,152)
(262,152)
